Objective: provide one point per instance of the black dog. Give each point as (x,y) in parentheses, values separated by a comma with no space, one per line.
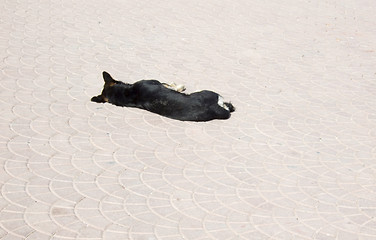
(166,100)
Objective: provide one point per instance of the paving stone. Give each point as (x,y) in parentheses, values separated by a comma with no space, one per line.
(295,161)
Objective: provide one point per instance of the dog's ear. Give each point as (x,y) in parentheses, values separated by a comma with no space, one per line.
(107,77)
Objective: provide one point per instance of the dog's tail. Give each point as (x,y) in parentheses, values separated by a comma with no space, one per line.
(230,107)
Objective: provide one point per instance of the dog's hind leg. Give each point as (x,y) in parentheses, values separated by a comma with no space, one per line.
(175,87)
(219,112)
(226,105)
(230,107)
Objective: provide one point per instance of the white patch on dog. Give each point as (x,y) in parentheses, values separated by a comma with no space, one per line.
(175,87)
(180,88)
(221,103)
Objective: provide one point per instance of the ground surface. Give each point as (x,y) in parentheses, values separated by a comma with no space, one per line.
(297,160)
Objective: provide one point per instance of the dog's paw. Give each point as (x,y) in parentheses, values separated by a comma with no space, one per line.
(175,87)
(180,88)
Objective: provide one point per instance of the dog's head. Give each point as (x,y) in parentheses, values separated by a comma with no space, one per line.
(109,85)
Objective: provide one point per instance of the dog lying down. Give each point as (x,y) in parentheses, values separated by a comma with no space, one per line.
(164,99)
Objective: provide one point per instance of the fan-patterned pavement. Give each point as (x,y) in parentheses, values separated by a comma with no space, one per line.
(297,160)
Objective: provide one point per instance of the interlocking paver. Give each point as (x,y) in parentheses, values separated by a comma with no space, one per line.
(295,161)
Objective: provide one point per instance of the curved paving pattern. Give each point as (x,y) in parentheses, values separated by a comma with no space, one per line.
(297,160)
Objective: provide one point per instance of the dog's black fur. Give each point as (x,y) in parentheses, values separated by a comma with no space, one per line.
(153,96)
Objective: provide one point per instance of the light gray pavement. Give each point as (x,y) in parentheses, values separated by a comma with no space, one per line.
(297,160)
